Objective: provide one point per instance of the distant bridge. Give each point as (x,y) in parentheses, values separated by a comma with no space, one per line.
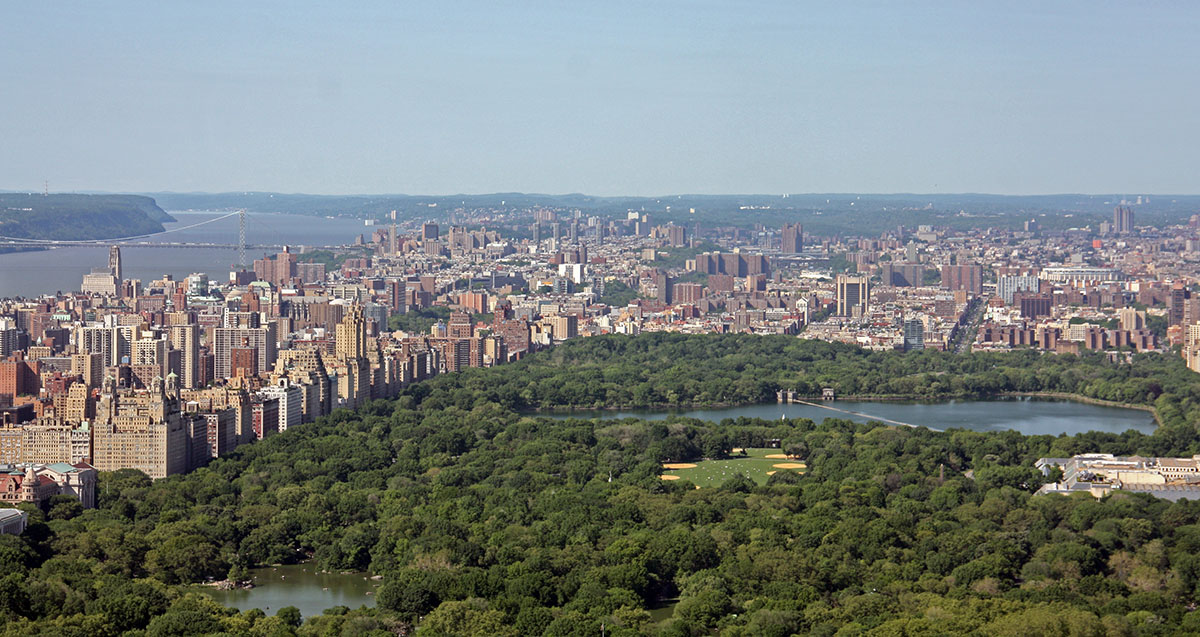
(18,243)
(152,240)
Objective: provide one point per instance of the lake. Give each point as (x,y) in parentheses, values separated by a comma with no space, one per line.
(1030,416)
(61,269)
(302,586)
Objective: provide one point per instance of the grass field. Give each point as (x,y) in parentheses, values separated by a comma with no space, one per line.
(757,465)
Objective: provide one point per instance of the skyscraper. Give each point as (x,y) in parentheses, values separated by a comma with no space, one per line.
(853,294)
(1008,285)
(1122,219)
(793,241)
(429,232)
(350,339)
(352,365)
(902,274)
(186,339)
(914,334)
(228,338)
(967,277)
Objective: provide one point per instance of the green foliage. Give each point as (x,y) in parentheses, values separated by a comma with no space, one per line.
(618,294)
(839,263)
(419,321)
(332,260)
(678,257)
(78,217)
(486,520)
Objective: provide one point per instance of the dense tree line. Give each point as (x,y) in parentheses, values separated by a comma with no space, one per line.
(486,520)
(77,217)
(676,370)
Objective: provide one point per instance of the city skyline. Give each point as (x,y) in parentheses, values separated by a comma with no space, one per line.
(616,100)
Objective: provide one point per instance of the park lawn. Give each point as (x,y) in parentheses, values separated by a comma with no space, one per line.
(713,473)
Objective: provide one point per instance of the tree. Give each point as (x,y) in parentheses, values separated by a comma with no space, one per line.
(469,617)
(63,507)
(290,615)
(408,599)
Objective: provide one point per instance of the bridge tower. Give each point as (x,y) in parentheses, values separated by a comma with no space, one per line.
(242,238)
(114,262)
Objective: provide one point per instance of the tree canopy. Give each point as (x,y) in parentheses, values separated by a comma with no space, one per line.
(483,518)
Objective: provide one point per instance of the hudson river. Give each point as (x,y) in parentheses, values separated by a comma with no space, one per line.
(61,269)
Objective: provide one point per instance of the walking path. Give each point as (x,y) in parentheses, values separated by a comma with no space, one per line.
(856,413)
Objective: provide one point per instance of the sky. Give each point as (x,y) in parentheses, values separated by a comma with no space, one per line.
(604,98)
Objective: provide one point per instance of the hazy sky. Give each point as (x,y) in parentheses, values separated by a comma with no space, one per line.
(601,97)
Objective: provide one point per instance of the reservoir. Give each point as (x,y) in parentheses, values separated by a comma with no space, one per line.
(1030,416)
(32,274)
(302,586)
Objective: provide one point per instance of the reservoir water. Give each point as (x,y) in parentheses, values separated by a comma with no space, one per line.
(302,586)
(1029,416)
(61,269)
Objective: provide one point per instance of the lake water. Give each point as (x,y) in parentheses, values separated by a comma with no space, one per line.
(302,586)
(62,269)
(1027,415)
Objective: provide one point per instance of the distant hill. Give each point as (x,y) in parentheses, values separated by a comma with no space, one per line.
(825,214)
(79,217)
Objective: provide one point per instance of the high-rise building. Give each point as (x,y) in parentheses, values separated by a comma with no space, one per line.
(140,430)
(1008,285)
(914,334)
(77,406)
(352,365)
(1122,220)
(150,351)
(89,366)
(226,339)
(1034,305)
(100,283)
(429,232)
(10,337)
(564,327)
(243,361)
(111,343)
(291,402)
(460,325)
(967,277)
(793,239)
(664,287)
(186,339)
(1177,303)
(351,335)
(19,376)
(1131,318)
(688,292)
(306,368)
(853,295)
(902,275)
(676,235)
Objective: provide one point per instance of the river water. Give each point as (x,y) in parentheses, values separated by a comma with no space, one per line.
(61,269)
(1029,416)
(302,586)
